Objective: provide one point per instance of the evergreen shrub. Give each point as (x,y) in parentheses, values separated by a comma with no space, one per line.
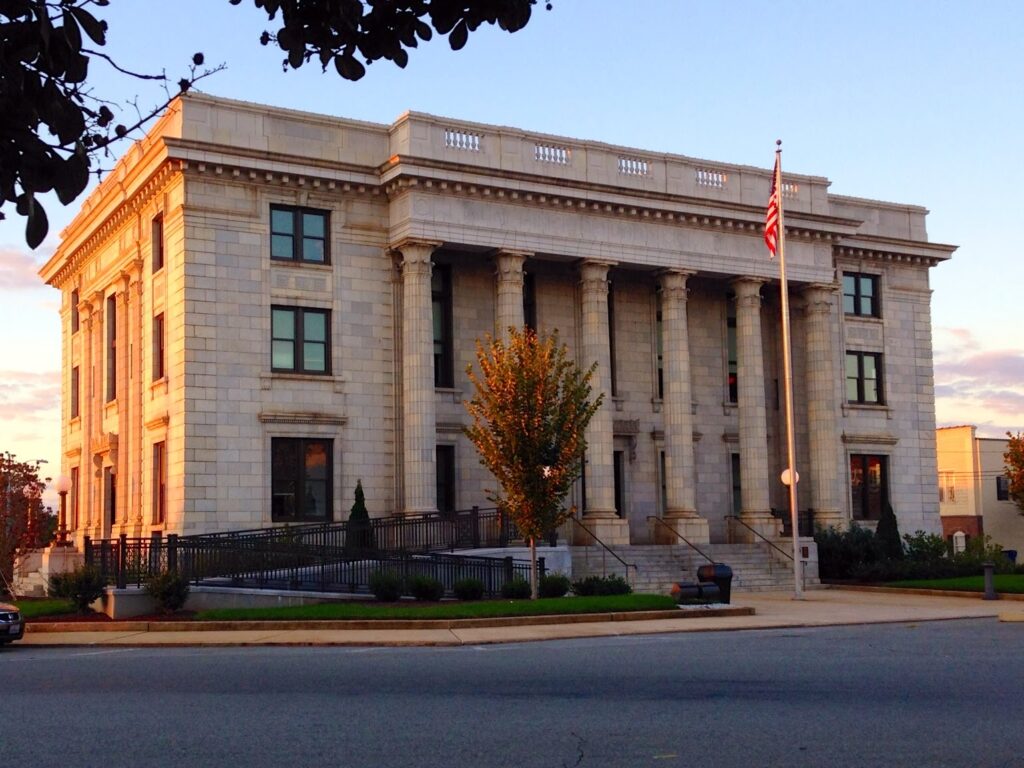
(386,586)
(169,591)
(82,587)
(426,588)
(468,589)
(553,585)
(516,589)
(593,586)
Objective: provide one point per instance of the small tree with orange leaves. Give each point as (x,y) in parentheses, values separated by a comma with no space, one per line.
(1014,458)
(530,411)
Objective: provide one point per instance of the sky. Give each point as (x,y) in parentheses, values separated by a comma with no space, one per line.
(911,101)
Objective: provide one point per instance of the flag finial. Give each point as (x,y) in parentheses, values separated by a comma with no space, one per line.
(778,143)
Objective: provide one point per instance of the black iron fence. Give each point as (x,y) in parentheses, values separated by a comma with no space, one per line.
(327,556)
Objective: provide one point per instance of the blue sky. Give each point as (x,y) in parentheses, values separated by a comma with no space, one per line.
(910,101)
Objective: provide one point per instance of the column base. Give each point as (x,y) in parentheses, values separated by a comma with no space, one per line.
(689,525)
(765,523)
(607,526)
(831,518)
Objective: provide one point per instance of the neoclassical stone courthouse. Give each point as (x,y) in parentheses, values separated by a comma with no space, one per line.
(261,307)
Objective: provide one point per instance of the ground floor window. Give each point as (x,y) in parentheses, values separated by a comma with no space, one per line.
(869,485)
(445,477)
(74,498)
(737,492)
(159,483)
(618,472)
(110,494)
(301,473)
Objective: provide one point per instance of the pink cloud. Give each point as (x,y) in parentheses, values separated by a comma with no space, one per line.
(19,270)
(28,395)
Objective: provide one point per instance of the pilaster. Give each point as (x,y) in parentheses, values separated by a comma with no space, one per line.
(509,279)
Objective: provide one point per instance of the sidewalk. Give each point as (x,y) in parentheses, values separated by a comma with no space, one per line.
(824,607)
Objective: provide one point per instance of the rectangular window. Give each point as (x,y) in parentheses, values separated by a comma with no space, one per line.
(74,311)
(299,234)
(157,242)
(300,340)
(445,456)
(159,483)
(158,347)
(530,301)
(618,479)
(110,494)
(860,295)
(869,485)
(111,319)
(737,486)
(663,479)
(732,347)
(864,378)
(73,518)
(611,341)
(74,392)
(1002,488)
(301,475)
(441,295)
(659,348)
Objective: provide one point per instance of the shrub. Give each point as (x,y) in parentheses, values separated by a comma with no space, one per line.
(553,585)
(887,535)
(169,590)
(516,589)
(925,547)
(426,588)
(839,551)
(359,531)
(593,586)
(386,586)
(468,589)
(81,586)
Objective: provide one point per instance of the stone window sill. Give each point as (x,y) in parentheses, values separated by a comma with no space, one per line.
(867,408)
(267,380)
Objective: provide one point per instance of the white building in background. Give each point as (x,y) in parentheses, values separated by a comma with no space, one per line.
(974,491)
(262,306)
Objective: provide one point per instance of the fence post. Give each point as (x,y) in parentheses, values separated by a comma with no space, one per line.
(540,567)
(122,560)
(509,573)
(87,546)
(474,517)
(172,552)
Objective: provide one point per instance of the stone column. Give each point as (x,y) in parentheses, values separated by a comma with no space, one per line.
(823,407)
(97,401)
(123,399)
(509,274)
(600,514)
(86,480)
(677,407)
(755,503)
(419,421)
(139,381)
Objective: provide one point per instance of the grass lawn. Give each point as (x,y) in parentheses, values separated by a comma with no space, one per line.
(1004,582)
(31,609)
(453,610)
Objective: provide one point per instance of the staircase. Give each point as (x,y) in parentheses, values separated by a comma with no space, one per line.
(658,567)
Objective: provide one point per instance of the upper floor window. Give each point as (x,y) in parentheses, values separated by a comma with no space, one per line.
(158,347)
(159,483)
(530,301)
(612,367)
(74,392)
(299,234)
(441,295)
(860,294)
(864,378)
(300,340)
(74,311)
(111,319)
(732,348)
(659,346)
(157,237)
(1002,488)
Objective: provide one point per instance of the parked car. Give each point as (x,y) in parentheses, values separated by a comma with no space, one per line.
(12,623)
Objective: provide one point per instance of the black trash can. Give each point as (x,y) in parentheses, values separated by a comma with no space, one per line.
(1011,555)
(719,574)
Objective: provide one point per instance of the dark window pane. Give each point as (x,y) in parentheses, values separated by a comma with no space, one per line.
(314,327)
(314,357)
(867,306)
(313,225)
(282,221)
(281,246)
(312,250)
(283,355)
(284,324)
(849,305)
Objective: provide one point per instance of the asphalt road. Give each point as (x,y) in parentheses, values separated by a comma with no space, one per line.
(930,694)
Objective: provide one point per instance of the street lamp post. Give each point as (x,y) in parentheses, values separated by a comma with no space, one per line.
(62,486)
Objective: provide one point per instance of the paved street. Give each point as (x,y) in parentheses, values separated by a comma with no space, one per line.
(929,694)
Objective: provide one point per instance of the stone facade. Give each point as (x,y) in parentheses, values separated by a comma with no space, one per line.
(410,241)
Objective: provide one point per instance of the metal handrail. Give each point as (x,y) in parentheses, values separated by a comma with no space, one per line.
(606,548)
(682,538)
(757,533)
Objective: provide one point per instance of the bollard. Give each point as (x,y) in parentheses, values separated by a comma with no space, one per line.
(990,586)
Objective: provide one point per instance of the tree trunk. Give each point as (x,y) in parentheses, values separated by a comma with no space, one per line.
(533,568)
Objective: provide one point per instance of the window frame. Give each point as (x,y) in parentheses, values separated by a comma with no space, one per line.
(860,378)
(76,397)
(159,347)
(445,473)
(443,355)
(75,474)
(111,327)
(298,235)
(160,482)
(865,487)
(858,296)
(1002,488)
(300,479)
(156,234)
(299,339)
(75,318)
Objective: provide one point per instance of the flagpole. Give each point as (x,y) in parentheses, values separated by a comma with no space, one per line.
(787,379)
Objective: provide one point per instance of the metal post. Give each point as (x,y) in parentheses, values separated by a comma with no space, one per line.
(172,552)
(990,581)
(122,561)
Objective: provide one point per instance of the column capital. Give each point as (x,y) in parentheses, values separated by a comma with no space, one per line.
(673,283)
(819,297)
(509,264)
(594,273)
(748,290)
(415,250)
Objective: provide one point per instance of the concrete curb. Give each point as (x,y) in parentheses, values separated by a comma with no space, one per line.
(377,624)
(928,592)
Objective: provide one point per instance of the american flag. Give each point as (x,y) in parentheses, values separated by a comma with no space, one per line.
(771,217)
